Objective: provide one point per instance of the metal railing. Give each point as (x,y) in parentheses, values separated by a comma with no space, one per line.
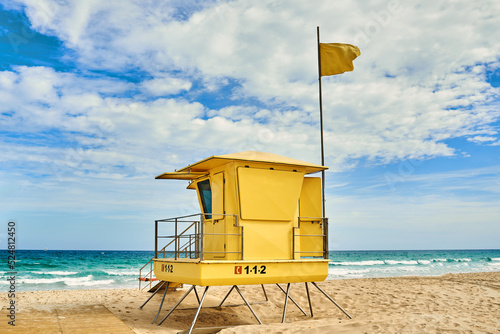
(189,236)
(148,277)
(323,236)
(187,241)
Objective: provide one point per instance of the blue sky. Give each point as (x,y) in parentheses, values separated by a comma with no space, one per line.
(97,98)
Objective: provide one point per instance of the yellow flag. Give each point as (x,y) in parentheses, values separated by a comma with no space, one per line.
(336,58)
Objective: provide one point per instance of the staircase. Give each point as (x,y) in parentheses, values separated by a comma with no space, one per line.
(147,278)
(186,245)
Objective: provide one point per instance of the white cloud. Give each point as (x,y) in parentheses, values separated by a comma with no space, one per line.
(420,78)
(482,139)
(70,128)
(165,86)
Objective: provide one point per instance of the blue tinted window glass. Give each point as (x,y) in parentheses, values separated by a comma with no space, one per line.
(206,197)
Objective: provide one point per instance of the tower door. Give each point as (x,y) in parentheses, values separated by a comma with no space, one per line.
(218,218)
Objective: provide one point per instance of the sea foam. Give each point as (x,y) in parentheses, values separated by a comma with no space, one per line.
(400,262)
(65,280)
(90,283)
(358,263)
(58,273)
(122,272)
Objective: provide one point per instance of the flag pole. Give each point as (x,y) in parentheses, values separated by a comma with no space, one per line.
(323,200)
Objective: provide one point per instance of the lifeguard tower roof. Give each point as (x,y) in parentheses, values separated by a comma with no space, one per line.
(202,167)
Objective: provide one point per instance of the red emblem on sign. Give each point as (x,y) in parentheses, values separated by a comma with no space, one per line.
(237,270)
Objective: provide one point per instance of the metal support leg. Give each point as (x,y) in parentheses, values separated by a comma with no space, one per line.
(175,306)
(300,308)
(196,294)
(330,298)
(251,310)
(227,295)
(198,311)
(309,299)
(154,293)
(265,294)
(286,302)
(161,304)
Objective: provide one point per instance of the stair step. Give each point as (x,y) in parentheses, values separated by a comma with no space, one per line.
(172,286)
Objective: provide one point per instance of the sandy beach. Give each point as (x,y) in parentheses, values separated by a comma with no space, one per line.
(453,303)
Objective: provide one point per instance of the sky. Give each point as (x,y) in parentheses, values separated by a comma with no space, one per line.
(99,97)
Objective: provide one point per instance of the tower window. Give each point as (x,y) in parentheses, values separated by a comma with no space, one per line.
(206,197)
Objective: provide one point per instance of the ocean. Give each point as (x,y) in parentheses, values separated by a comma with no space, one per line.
(68,269)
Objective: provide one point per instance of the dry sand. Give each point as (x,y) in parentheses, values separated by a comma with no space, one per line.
(453,303)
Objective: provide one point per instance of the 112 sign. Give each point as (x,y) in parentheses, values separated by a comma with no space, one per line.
(238,270)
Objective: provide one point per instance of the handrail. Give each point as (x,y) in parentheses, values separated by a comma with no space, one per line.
(186,245)
(181,217)
(193,247)
(151,270)
(150,262)
(324,236)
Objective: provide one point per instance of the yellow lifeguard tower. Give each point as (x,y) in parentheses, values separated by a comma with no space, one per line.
(261,222)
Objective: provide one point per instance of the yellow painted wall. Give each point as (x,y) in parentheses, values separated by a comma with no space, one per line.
(268,203)
(310,197)
(268,194)
(310,206)
(240,272)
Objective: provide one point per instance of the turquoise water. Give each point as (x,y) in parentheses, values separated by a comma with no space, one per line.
(364,264)
(65,270)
